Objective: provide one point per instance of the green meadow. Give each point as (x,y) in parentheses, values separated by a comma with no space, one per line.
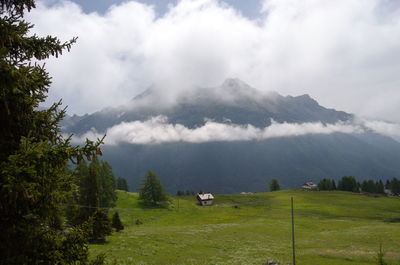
(335,228)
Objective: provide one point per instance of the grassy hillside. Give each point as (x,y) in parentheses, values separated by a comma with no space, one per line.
(331,228)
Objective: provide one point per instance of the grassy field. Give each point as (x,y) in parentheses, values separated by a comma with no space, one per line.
(335,228)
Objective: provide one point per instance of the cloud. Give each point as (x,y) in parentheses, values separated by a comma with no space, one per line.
(157,130)
(344,53)
(385,128)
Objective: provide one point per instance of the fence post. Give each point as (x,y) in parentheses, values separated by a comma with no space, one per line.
(293,244)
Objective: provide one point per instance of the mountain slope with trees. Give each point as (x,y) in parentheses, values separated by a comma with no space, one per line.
(231,167)
(241,165)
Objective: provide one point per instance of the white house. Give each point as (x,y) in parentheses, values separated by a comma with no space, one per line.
(388,192)
(205,198)
(309,186)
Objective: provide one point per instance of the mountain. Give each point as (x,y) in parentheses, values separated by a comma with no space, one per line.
(233,101)
(237,166)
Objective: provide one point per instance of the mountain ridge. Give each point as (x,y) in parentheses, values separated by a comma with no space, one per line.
(234,100)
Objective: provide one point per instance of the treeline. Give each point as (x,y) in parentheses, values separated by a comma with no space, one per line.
(393,185)
(122,184)
(185,193)
(349,183)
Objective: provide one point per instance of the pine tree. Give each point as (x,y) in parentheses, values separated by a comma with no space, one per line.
(380,187)
(274,185)
(324,184)
(34,181)
(116,222)
(122,184)
(152,192)
(108,196)
(387,184)
(395,186)
(99,226)
(348,183)
(96,191)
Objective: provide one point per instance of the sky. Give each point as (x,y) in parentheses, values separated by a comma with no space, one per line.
(249,8)
(343,53)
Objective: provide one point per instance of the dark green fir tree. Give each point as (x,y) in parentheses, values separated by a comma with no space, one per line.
(34,182)
(274,185)
(152,192)
(116,222)
(122,184)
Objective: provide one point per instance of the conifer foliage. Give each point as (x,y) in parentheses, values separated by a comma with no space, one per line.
(95,194)
(122,184)
(394,186)
(98,226)
(152,192)
(116,222)
(327,184)
(372,186)
(34,181)
(274,185)
(348,183)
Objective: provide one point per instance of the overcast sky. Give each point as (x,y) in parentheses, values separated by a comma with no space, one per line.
(344,53)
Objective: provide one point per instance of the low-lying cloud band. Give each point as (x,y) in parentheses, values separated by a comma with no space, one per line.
(157,130)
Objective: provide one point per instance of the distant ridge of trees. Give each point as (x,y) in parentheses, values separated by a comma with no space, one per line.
(184,193)
(327,184)
(349,183)
(393,185)
(373,186)
(122,184)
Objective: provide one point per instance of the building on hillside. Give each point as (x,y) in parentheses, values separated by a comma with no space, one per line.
(205,198)
(309,186)
(388,192)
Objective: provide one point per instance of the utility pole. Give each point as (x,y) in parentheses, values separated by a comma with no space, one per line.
(293,245)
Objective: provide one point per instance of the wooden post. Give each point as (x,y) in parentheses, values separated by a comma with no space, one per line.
(293,245)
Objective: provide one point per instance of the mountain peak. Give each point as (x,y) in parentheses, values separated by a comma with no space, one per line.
(236,88)
(306,98)
(233,99)
(233,82)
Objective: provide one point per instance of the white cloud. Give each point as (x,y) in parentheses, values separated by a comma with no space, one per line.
(157,130)
(385,128)
(344,53)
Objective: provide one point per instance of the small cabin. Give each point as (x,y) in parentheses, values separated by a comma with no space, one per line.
(309,186)
(205,198)
(388,192)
